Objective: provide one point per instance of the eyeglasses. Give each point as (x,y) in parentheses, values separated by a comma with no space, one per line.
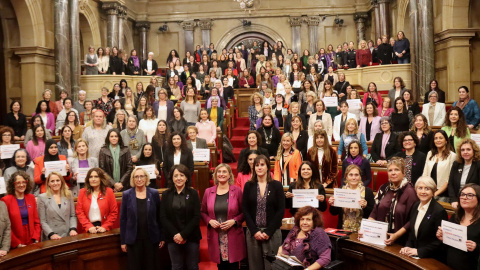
(138,177)
(408,140)
(21,183)
(385,123)
(468,196)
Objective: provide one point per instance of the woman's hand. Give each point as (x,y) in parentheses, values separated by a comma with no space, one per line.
(409,251)
(55,237)
(227,224)
(118,186)
(160,245)
(101,229)
(358,66)
(331,200)
(381,162)
(44,170)
(440,233)
(157,173)
(92,230)
(289,195)
(391,237)
(259,236)
(320,198)
(134,159)
(178,239)
(339,160)
(471,245)
(3,253)
(73,233)
(455,205)
(215,224)
(124,248)
(20,246)
(363,203)
(470,126)
(67,167)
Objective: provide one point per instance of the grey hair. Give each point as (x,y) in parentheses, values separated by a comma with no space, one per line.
(432,92)
(428,181)
(82,92)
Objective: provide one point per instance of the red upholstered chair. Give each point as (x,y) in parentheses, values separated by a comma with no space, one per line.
(382,178)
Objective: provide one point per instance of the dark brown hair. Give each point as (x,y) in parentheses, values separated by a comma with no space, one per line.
(314,180)
(6,129)
(461,124)
(259,137)
(182,169)
(460,212)
(13,178)
(104,181)
(255,163)
(306,210)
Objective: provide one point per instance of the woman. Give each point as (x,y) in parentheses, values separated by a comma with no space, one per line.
(191,107)
(300,136)
(20,162)
(350,219)
(104,103)
(465,169)
(414,158)
(180,216)
(72,122)
(363,55)
(324,159)
(117,92)
(36,146)
(128,102)
(177,152)
(245,171)
(141,108)
(147,157)
(412,106)
(116,64)
(341,86)
(434,111)
(91,62)
(133,137)
(253,141)
(466,215)
(178,122)
(206,88)
(370,122)
(308,108)
(468,106)
(351,133)
(426,217)
(115,159)
(270,136)
(434,87)
(332,77)
(385,145)
(308,178)
(59,103)
(51,154)
(216,114)
(103,61)
(22,210)
(439,163)
(149,123)
(134,65)
(163,107)
(171,71)
(385,108)
(372,96)
(287,161)
(193,141)
(357,111)
(401,48)
(354,157)
(397,90)
(263,207)
(56,209)
(340,121)
(87,115)
(266,110)
(394,201)
(214,93)
(5,230)
(17,120)
(280,108)
(206,128)
(140,224)
(46,95)
(96,133)
(6,137)
(81,160)
(47,117)
(215,68)
(67,143)
(307,87)
(117,107)
(96,207)
(400,118)
(307,240)
(423,133)
(159,140)
(222,211)
(456,127)
(320,114)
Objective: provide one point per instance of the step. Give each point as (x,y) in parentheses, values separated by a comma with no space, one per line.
(241,131)
(242,121)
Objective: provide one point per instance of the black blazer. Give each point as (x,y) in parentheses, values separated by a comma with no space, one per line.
(243,153)
(273,146)
(191,231)
(154,67)
(302,142)
(132,68)
(228,93)
(116,65)
(19,126)
(168,74)
(456,176)
(415,108)
(419,159)
(390,149)
(426,241)
(322,206)
(287,125)
(424,144)
(369,197)
(186,158)
(275,206)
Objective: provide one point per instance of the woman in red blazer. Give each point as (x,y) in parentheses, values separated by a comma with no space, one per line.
(51,154)
(96,192)
(22,210)
(225,223)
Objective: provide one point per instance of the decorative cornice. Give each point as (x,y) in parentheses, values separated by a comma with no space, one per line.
(384,1)
(313,20)
(205,24)
(188,25)
(360,17)
(111,7)
(296,21)
(122,12)
(143,25)
(463,33)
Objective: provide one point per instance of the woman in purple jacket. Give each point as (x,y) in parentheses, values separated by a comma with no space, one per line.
(222,211)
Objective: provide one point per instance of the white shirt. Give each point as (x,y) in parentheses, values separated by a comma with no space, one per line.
(176,158)
(422,210)
(194,145)
(149,65)
(94,214)
(162,112)
(463,179)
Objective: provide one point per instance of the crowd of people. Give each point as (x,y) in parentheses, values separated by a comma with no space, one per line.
(106,142)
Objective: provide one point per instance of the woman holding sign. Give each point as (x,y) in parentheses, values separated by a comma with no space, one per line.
(467,214)
(51,154)
(394,201)
(351,218)
(147,158)
(81,161)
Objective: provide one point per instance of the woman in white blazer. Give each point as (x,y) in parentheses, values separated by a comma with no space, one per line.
(370,115)
(345,115)
(439,112)
(56,209)
(325,117)
(439,163)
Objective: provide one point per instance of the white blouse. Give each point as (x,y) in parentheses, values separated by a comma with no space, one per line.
(94,214)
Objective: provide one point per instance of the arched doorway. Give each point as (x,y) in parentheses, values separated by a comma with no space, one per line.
(241,33)
(248,39)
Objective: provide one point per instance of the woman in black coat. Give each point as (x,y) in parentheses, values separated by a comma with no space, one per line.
(411,154)
(17,121)
(400,118)
(253,142)
(116,63)
(180,215)
(390,148)
(177,153)
(270,136)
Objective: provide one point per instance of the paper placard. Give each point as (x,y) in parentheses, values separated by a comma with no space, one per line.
(354,104)
(347,198)
(476,138)
(374,232)
(304,197)
(330,101)
(454,235)
(8,150)
(82,174)
(150,170)
(201,155)
(55,166)
(3,186)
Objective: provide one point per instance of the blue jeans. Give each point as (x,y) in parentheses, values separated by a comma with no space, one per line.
(403,60)
(184,256)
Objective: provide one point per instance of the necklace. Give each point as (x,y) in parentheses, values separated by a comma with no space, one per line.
(268,138)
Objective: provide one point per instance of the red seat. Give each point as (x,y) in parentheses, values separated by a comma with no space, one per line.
(382,178)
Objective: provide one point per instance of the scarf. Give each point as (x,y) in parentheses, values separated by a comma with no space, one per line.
(355,160)
(136,61)
(462,103)
(49,157)
(116,162)
(352,218)
(133,143)
(390,219)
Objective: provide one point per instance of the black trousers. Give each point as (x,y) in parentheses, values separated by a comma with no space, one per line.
(225,265)
(142,255)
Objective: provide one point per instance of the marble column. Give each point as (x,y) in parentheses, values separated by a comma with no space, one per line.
(384,14)
(296,25)
(62,46)
(112,23)
(188,27)
(206,26)
(426,49)
(143,28)
(414,51)
(313,22)
(360,19)
(122,15)
(75,57)
(376,10)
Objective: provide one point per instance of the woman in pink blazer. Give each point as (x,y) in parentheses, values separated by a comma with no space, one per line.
(222,211)
(44,111)
(371,119)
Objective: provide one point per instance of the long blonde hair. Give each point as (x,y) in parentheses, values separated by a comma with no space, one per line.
(280,147)
(64,191)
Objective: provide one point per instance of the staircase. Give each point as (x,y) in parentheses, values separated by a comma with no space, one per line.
(238,139)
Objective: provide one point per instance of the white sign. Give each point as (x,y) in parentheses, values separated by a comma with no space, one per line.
(304,197)
(475,137)
(150,170)
(354,104)
(374,232)
(201,155)
(8,150)
(330,101)
(454,235)
(347,198)
(82,174)
(3,187)
(55,166)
